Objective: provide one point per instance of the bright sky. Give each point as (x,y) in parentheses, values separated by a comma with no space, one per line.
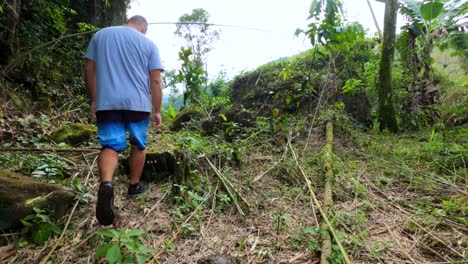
(241,49)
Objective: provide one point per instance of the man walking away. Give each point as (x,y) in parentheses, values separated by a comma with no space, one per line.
(123,76)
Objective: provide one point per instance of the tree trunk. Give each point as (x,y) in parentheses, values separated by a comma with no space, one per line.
(387,116)
(9,21)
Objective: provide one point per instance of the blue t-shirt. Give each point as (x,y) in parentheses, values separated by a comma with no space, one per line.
(124,57)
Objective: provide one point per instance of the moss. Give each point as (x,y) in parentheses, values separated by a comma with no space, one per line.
(73,134)
(20,103)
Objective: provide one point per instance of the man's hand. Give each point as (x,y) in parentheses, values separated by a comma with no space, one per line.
(156,119)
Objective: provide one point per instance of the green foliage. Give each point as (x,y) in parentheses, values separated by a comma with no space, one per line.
(191,75)
(123,246)
(46,166)
(40,225)
(81,191)
(195,30)
(308,236)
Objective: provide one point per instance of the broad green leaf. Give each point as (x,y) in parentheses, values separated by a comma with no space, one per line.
(131,245)
(142,258)
(122,231)
(101,251)
(113,254)
(431,10)
(25,223)
(135,232)
(309,230)
(107,233)
(128,259)
(172,111)
(41,233)
(57,229)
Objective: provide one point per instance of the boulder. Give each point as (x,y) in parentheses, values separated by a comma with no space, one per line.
(19,194)
(73,134)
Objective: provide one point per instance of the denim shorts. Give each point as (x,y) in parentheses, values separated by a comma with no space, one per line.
(114,124)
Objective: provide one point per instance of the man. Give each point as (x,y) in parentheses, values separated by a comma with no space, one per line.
(123,76)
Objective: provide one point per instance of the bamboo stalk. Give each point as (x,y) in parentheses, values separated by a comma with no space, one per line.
(322,213)
(326,248)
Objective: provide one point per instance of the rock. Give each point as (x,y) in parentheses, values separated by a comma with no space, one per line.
(219,259)
(19,194)
(164,160)
(183,117)
(73,134)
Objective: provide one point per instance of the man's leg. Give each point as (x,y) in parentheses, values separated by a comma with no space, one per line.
(137,125)
(112,137)
(137,162)
(107,163)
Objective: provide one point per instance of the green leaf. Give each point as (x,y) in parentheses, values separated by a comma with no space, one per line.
(309,230)
(101,251)
(132,246)
(108,233)
(135,232)
(172,111)
(26,223)
(223,117)
(41,233)
(113,254)
(431,10)
(128,259)
(142,258)
(57,229)
(122,231)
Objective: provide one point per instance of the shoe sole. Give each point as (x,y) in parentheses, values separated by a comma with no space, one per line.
(104,211)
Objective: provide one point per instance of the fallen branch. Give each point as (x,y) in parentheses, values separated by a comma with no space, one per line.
(50,149)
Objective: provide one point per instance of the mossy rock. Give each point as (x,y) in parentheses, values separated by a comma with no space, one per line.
(165,161)
(73,134)
(19,194)
(184,117)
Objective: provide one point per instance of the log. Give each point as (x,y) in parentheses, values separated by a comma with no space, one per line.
(19,194)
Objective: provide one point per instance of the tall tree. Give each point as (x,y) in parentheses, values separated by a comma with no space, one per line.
(386,112)
(9,21)
(197,33)
(199,38)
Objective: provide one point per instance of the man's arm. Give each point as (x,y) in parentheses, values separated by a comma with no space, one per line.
(156,96)
(90,80)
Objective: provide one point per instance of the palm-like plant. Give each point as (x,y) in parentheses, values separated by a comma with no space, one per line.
(429,23)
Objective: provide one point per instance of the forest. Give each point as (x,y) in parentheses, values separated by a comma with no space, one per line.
(354,151)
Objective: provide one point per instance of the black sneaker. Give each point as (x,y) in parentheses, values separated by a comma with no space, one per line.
(137,189)
(105,204)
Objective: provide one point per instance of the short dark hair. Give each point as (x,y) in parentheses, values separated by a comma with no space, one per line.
(138,20)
